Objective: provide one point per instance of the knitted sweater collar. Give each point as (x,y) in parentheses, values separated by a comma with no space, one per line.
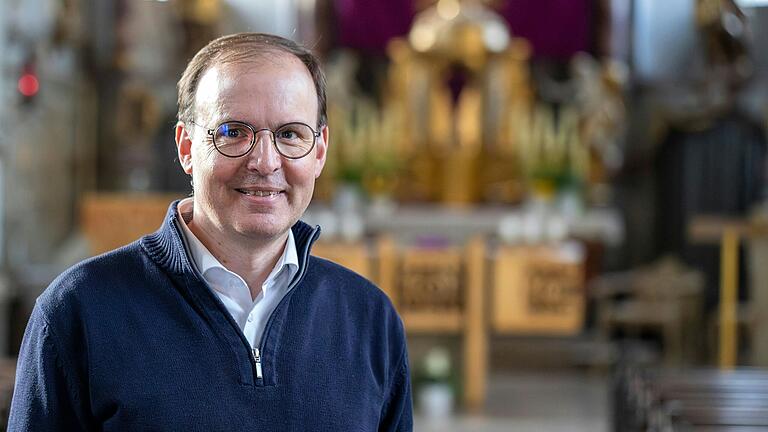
(166,247)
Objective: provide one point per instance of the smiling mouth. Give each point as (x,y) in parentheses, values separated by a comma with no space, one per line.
(259,193)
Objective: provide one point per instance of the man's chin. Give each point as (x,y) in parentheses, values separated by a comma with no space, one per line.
(262,232)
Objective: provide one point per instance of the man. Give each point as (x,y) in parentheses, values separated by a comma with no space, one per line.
(221,320)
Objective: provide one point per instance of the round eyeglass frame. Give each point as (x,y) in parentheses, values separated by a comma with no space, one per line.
(212,133)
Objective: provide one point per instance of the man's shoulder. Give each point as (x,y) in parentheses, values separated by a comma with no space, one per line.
(338,283)
(343,277)
(337,270)
(106,266)
(85,280)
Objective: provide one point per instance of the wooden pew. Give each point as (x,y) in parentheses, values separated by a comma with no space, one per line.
(698,400)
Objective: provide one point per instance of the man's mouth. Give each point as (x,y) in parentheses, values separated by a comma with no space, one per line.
(259,193)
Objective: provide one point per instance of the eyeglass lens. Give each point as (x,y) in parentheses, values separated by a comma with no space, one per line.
(292,140)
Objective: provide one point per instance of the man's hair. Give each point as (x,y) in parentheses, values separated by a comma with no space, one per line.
(242,48)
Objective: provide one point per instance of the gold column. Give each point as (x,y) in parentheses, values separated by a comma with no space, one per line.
(475,335)
(729,280)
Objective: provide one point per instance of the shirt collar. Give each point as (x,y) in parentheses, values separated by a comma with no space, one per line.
(205,261)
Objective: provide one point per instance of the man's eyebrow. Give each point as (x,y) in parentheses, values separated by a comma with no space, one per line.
(223,116)
(283,123)
(272,125)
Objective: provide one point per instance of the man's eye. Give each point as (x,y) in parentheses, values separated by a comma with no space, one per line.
(228,131)
(287,134)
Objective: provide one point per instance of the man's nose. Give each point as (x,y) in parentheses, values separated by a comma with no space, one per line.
(264,157)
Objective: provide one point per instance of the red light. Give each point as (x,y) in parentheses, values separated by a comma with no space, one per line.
(28,85)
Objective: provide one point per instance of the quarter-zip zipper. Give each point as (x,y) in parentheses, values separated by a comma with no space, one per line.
(256,353)
(257,358)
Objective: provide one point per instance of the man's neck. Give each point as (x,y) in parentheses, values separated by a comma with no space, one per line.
(253,260)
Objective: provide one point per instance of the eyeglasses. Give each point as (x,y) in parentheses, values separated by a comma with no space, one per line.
(234,139)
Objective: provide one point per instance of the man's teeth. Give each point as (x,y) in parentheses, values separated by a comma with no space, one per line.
(260,193)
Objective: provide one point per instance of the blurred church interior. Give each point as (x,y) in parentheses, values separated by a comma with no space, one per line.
(565,199)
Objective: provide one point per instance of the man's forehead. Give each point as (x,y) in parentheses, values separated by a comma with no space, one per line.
(225,74)
(219,79)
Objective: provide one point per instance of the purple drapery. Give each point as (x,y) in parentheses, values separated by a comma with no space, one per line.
(368,25)
(556,28)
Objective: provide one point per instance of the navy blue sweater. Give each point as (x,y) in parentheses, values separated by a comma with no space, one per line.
(134,340)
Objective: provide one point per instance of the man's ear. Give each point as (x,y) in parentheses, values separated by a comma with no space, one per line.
(322,150)
(184,147)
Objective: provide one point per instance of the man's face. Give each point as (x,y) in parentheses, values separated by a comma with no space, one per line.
(258,196)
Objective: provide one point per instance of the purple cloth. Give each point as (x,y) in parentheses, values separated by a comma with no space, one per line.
(556,28)
(369,24)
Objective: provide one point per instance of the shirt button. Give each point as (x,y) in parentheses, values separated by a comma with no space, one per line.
(250,318)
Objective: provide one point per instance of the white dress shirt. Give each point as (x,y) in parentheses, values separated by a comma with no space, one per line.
(250,314)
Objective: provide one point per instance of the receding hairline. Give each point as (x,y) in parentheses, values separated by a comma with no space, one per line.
(243,59)
(227,59)
(222,58)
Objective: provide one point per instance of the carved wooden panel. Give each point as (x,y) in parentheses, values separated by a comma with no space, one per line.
(538,290)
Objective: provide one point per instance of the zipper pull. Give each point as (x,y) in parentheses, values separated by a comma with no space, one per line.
(257,359)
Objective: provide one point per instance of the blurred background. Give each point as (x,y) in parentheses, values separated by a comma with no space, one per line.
(565,199)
